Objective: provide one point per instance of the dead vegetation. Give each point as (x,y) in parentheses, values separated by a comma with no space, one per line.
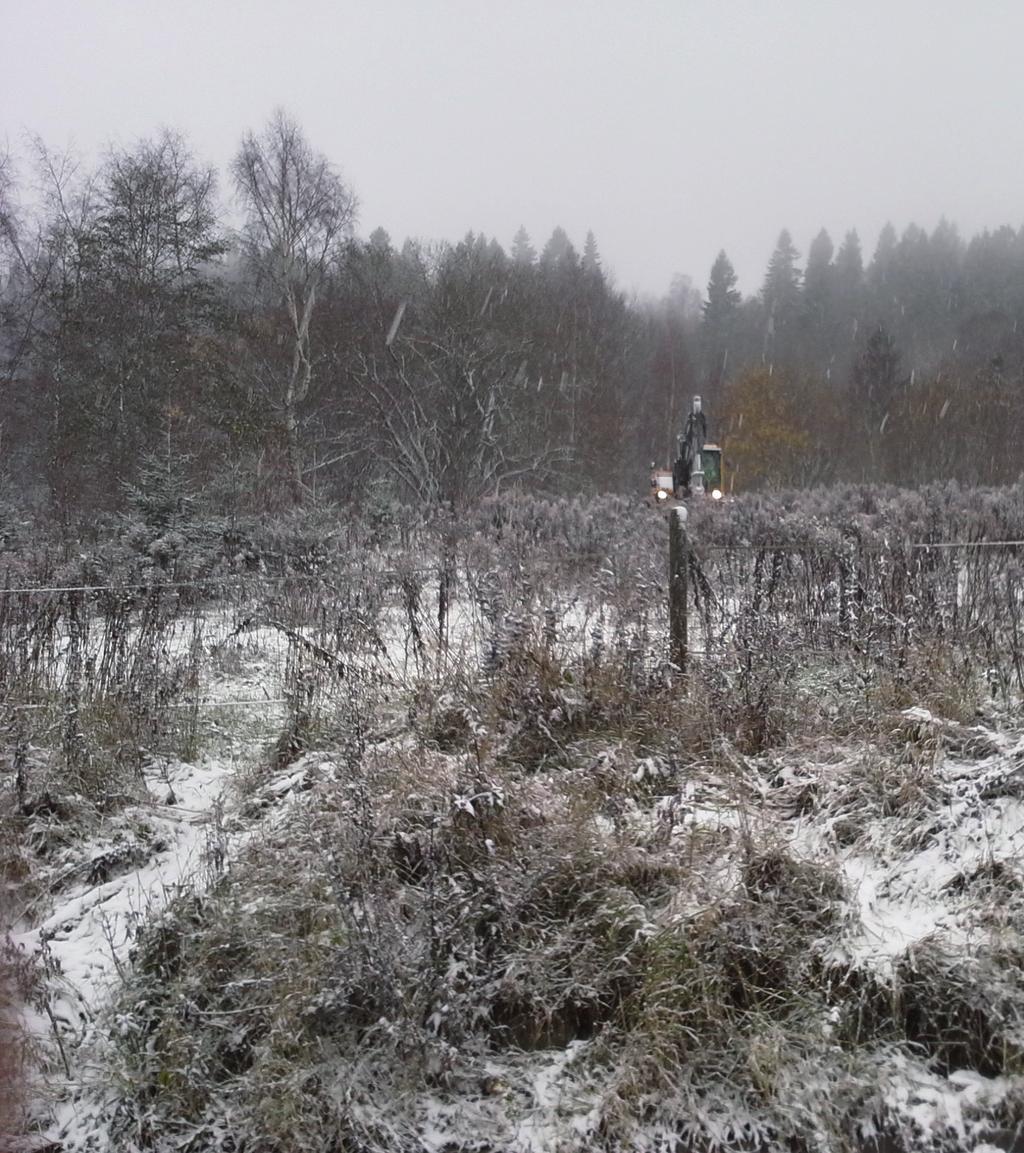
(508,880)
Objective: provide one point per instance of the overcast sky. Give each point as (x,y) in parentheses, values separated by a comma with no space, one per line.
(672,128)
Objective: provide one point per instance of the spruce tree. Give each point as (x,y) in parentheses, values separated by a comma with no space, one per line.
(818,277)
(848,295)
(523,251)
(819,286)
(723,296)
(558,249)
(876,384)
(591,257)
(849,266)
(720,311)
(781,290)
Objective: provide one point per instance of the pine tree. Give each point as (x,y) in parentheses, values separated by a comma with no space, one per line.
(720,310)
(523,251)
(818,277)
(723,296)
(819,285)
(848,296)
(945,258)
(558,249)
(849,266)
(876,374)
(876,384)
(591,257)
(781,291)
(882,263)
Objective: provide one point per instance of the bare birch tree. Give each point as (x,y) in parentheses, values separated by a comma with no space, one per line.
(299,214)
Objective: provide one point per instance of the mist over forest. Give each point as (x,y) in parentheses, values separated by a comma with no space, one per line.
(294,360)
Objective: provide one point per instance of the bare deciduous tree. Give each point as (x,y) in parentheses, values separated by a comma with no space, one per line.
(31,250)
(299,214)
(450,412)
(158,221)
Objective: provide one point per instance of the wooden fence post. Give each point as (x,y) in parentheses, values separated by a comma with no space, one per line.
(445,581)
(678,548)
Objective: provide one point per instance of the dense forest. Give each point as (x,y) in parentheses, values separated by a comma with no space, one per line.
(242,340)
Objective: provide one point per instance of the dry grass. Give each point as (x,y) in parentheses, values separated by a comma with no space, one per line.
(18,981)
(542,846)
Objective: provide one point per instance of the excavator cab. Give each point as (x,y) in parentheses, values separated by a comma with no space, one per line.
(711,465)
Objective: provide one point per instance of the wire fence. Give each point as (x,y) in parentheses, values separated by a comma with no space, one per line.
(889,606)
(124,670)
(250,580)
(873,547)
(233,582)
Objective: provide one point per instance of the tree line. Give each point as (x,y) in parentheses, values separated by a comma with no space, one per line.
(905,369)
(289,360)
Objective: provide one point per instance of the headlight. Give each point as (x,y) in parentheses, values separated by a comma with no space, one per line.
(716,494)
(662,494)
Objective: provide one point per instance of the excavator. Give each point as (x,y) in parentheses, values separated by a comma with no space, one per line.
(697,470)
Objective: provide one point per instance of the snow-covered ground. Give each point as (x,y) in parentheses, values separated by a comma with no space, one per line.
(96,892)
(911,868)
(98,889)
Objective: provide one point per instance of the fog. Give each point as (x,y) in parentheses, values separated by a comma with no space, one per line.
(672,128)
